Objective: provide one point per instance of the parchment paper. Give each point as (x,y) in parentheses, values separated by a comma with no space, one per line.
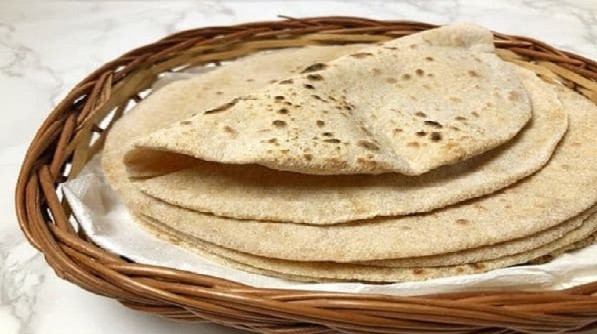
(101,214)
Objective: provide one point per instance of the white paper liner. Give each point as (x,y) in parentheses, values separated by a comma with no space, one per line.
(105,219)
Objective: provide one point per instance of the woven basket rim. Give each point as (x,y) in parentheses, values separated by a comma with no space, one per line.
(67,140)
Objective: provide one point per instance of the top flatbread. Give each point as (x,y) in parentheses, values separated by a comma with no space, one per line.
(409,106)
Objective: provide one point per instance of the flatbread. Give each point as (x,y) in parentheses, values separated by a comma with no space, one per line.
(256,192)
(408,106)
(314,271)
(561,190)
(490,252)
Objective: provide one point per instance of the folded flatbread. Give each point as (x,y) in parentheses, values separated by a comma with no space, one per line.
(250,191)
(407,106)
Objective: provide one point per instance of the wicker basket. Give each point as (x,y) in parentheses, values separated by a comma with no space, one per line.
(72,134)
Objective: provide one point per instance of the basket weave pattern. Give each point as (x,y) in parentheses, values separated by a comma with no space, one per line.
(72,134)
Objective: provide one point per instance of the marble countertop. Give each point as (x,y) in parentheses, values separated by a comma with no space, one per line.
(47,47)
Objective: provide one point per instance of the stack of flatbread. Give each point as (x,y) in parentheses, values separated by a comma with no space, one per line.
(422,157)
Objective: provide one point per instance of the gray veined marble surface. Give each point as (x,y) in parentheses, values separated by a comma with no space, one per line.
(47,47)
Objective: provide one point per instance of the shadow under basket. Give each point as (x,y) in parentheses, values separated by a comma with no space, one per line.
(75,130)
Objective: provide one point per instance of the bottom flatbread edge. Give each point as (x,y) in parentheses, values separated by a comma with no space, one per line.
(328,272)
